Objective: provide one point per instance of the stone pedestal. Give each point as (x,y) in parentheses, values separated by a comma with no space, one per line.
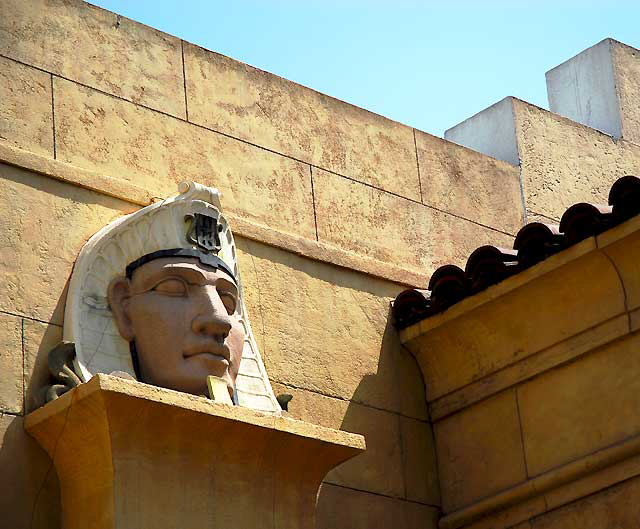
(129,455)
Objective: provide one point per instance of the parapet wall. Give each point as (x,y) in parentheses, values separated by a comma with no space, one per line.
(336,210)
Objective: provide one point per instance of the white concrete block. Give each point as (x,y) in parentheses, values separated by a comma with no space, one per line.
(491,131)
(583,89)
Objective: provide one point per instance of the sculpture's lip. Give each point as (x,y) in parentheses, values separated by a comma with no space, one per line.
(212,349)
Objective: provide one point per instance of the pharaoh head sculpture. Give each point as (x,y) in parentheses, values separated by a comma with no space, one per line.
(157,294)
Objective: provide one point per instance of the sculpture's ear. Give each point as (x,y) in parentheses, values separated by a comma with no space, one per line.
(118,295)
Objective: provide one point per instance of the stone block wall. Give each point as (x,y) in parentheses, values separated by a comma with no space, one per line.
(534,392)
(335,209)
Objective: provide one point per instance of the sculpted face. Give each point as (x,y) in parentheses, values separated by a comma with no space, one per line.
(183,317)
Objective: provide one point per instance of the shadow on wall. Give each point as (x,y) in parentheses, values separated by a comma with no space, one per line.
(28,480)
(394,483)
(30,496)
(326,337)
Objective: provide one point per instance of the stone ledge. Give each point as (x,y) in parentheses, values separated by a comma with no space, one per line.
(550,484)
(155,395)
(133,194)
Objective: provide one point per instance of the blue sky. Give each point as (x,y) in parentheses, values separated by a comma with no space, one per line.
(429,64)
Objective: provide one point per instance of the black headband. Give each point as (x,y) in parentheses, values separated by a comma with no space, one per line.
(203,257)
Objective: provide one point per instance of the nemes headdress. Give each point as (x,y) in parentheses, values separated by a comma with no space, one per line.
(190,224)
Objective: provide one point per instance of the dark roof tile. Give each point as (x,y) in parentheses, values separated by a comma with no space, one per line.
(535,241)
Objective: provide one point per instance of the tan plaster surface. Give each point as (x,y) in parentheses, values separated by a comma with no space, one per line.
(30,496)
(626,62)
(11,396)
(469,184)
(327,330)
(588,404)
(340,508)
(25,107)
(106,185)
(44,224)
(479,451)
(128,192)
(380,468)
(259,107)
(95,47)
(156,152)
(613,508)
(563,162)
(39,339)
(392,229)
(419,461)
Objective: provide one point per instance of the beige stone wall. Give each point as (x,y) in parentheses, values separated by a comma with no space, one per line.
(534,392)
(336,210)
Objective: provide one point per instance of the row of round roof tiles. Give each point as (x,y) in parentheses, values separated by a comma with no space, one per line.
(535,241)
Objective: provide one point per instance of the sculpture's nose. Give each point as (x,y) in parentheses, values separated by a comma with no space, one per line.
(211,315)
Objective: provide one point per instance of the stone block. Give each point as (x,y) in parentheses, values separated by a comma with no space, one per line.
(340,508)
(479,451)
(587,405)
(627,67)
(30,496)
(613,508)
(132,455)
(25,107)
(419,460)
(469,184)
(394,230)
(78,41)
(583,89)
(622,246)
(39,339)
(326,329)
(156,152)
(533,365)
(563,162)
(600,88)
(377,470)
(264,109)
(11,391)
(44,224)
(491,131)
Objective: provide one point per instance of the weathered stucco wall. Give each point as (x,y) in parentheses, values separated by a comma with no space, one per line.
(336,210)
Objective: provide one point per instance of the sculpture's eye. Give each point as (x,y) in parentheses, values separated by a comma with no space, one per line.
(229,300)
(171,287)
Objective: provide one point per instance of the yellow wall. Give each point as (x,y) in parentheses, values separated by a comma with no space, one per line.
(534,390)
(336,210)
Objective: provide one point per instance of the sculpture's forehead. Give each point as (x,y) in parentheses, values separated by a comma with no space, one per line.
(188,267)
